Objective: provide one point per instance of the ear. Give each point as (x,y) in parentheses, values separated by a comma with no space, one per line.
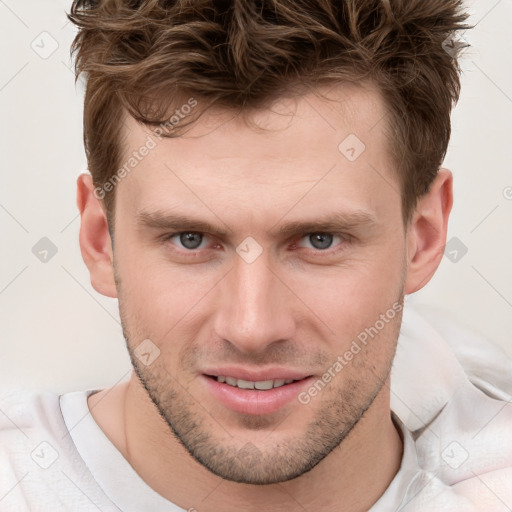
(426,233)
(95,243)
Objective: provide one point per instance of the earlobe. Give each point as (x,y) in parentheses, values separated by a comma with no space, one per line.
(95,242)
(426,234)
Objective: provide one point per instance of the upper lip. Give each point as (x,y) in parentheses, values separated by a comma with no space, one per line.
(256,375)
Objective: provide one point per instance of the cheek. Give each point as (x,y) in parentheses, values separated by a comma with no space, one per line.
(159,298)
(352,297)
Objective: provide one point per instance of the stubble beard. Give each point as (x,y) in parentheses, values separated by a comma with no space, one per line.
(281,458)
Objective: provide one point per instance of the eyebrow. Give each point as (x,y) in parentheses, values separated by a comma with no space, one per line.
(175,222)
(329,223)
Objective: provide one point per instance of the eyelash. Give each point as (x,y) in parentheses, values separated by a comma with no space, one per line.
(344,240)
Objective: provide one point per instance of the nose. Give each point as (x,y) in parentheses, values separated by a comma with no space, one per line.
(254,308)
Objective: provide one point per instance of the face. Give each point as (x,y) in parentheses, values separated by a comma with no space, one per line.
(263,259)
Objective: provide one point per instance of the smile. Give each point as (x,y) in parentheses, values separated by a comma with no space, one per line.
(262,385)
(255,396)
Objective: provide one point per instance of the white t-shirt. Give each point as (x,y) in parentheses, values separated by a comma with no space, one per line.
(457,438)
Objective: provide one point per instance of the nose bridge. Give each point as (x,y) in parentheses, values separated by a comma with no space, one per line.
(253,310)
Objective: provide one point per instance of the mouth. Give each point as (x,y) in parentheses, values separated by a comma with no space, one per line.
(261,385)
(266,394)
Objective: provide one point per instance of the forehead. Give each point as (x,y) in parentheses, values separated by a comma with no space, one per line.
(330,142)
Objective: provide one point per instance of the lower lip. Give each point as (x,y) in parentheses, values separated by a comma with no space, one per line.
(254,401)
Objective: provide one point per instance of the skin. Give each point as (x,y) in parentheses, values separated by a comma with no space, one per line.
(295,307)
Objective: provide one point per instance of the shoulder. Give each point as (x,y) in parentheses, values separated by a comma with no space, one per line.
(453,391)
(468,447)
(472,435)
(24,412)
(40,468)
(30,423)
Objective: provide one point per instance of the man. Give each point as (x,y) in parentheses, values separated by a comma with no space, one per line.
(265,188)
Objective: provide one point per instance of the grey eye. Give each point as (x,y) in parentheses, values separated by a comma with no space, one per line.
(191,240)
(321,240)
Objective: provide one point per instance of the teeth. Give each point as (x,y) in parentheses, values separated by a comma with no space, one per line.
(245,384)
(263,385)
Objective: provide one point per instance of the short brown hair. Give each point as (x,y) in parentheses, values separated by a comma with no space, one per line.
(143,57)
